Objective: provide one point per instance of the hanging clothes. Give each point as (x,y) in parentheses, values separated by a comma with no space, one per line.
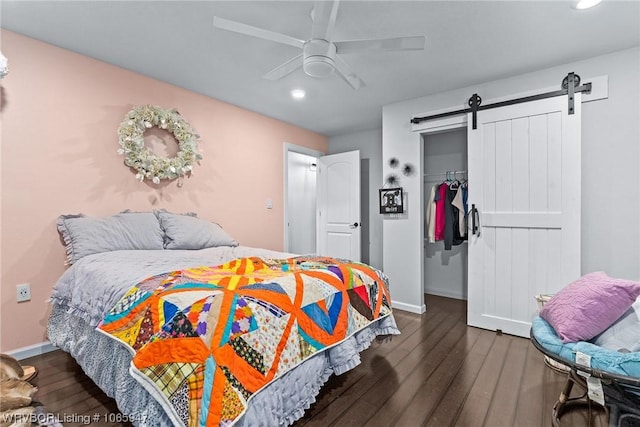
(458,203)
(431,215)
(465,195)
(440,197)
(452,235)
(446,213)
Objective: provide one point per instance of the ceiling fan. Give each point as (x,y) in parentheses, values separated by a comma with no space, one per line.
(320,55)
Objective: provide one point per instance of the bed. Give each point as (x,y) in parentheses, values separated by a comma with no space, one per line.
(96,306)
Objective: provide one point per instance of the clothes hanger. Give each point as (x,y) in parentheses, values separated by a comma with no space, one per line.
(454,183)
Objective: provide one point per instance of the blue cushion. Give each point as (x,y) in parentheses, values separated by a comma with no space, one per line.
(625,364)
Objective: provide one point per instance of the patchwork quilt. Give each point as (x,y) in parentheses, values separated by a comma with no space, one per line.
(206,339)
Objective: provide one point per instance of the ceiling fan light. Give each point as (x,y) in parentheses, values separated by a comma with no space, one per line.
(298,93)
(318,66)
(586,4)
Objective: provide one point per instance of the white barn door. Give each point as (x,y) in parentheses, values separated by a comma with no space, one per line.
(524,170)
(338,201)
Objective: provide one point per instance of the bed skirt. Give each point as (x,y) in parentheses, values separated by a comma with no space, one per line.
(280,403)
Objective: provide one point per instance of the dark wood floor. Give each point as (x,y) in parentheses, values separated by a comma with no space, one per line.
(439,372)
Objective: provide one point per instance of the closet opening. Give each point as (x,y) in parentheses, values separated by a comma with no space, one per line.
(445,174)
(300,228)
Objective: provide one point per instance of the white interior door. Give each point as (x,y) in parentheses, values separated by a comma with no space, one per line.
(338,201)
(524,174)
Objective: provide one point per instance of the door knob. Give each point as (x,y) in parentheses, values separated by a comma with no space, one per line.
(354,225)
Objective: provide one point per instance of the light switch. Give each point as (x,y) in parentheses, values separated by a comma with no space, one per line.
(269,204)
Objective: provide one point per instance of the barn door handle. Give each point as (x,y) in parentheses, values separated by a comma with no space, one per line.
(354,225)
(475,220)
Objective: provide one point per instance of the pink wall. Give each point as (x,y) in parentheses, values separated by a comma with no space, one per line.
(60,112)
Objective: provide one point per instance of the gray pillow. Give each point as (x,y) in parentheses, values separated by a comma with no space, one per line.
(624,334)
(158,211)
(188,232)
(83,235)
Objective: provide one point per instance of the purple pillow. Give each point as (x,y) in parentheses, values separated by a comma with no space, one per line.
(588,306)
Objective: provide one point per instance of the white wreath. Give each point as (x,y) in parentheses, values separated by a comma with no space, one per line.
(4,66)
(142,159)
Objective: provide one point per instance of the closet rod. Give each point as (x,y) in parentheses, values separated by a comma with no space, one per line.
(444,173)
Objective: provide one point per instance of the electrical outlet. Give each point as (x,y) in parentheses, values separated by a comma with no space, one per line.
(23,292)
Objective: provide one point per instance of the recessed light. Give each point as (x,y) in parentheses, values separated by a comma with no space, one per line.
(298,93)
(586,4)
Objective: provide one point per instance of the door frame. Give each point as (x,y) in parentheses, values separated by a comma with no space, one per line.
(286,148)
(432,127)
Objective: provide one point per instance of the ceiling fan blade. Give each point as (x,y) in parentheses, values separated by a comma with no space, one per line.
(282,70)
(324,19)
(261,33)
(347,74)
(397,43)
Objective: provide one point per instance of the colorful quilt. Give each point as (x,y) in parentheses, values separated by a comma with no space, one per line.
(206,339)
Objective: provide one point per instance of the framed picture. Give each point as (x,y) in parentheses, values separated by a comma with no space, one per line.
(391,201)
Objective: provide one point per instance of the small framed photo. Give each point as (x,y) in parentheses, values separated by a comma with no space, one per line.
(391,201)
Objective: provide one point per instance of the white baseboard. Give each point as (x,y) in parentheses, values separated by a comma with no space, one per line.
(412,308)
(32,350)
(445,293)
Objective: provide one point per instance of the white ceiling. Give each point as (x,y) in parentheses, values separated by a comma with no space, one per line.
(467,43)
